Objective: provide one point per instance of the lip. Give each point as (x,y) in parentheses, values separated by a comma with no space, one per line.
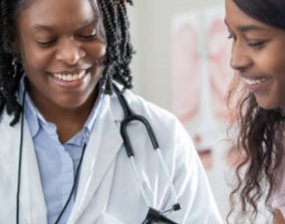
(255,83)
(66,81)
(70,72)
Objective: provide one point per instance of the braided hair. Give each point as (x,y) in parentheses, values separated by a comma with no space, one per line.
(118,53)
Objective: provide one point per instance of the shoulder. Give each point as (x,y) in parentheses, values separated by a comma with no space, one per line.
(148,109)
(278,196)
(159,118)
(165,125)
(5,120)
(6,130)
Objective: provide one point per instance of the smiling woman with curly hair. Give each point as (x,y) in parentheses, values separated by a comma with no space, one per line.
(257,29)
(64,72)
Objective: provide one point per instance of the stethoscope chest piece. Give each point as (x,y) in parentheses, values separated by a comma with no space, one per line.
(155,216)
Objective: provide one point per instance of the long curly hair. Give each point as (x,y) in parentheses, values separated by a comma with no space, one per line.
(119,50)
(260,137)
(261,148)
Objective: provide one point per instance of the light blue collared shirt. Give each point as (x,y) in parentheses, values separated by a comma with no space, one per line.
(57,162)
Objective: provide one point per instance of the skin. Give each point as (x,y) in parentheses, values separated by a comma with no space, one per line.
(278,218)
(51,41)
(257,54)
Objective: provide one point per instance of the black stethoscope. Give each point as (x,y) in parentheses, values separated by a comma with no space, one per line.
(153,215)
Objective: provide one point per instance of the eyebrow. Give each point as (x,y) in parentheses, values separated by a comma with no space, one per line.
(248,28)
(51,28)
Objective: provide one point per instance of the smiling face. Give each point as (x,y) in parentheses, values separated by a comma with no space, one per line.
(258,56)
(62,46)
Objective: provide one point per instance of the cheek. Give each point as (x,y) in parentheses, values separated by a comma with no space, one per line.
(275,67)
(33,58)
(97,51)
(272,64)
(280,65)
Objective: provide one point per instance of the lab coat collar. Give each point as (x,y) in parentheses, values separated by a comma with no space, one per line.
(103,146)
(32,203)
(31,193)
(104,143)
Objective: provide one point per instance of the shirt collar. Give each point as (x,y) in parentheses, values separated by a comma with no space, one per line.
(34,117)
(30,110)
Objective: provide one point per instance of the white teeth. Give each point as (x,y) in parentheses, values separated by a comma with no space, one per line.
(254,81)
(70,77)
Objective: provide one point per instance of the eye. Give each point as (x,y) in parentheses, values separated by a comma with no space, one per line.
(257,44)
(45,43)
(89,35)
(232,36)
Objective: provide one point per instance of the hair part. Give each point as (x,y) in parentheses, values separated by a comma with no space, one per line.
(119,50)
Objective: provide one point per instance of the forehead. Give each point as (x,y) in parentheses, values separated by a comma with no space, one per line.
(40,10)
(233,12)
(236,17)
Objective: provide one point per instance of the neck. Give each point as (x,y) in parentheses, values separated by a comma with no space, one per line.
(69,121)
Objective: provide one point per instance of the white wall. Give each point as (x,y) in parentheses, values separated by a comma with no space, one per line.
(151,23)
(151,32)
(151,27)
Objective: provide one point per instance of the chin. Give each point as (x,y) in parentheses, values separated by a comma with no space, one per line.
(70,103)
(269,106)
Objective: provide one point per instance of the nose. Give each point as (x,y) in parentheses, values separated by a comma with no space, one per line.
(240,57)
(70,52)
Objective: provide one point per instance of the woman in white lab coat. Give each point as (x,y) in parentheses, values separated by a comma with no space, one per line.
(59,117)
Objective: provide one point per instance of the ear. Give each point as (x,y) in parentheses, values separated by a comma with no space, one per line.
(14,42)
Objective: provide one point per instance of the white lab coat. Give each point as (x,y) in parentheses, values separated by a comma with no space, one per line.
(108,192)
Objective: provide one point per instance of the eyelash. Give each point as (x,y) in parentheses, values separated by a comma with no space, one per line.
(45,44)
(49,43)
(89,37)
(252,44)
(231,37)
(256,44)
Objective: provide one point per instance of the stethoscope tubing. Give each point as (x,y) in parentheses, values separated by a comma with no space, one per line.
(130,116)
(20,168)
(20,162)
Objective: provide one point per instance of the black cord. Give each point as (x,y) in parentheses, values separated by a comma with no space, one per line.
(20,168)
(74,184)
(20,159)
(127,110)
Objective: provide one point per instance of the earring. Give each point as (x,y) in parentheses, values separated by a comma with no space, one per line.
(116,2)
(15,67)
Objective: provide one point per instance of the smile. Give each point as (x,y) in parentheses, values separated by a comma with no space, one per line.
(254,81)
(70,77)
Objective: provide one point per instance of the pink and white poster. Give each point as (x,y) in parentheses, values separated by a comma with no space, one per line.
(201,75)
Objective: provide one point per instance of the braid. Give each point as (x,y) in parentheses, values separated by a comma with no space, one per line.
(125,48)
(11,70)
(119,52)
(119,48)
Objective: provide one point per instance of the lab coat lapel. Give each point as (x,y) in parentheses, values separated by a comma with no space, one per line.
(105,141)
(32,203)
(31,196)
